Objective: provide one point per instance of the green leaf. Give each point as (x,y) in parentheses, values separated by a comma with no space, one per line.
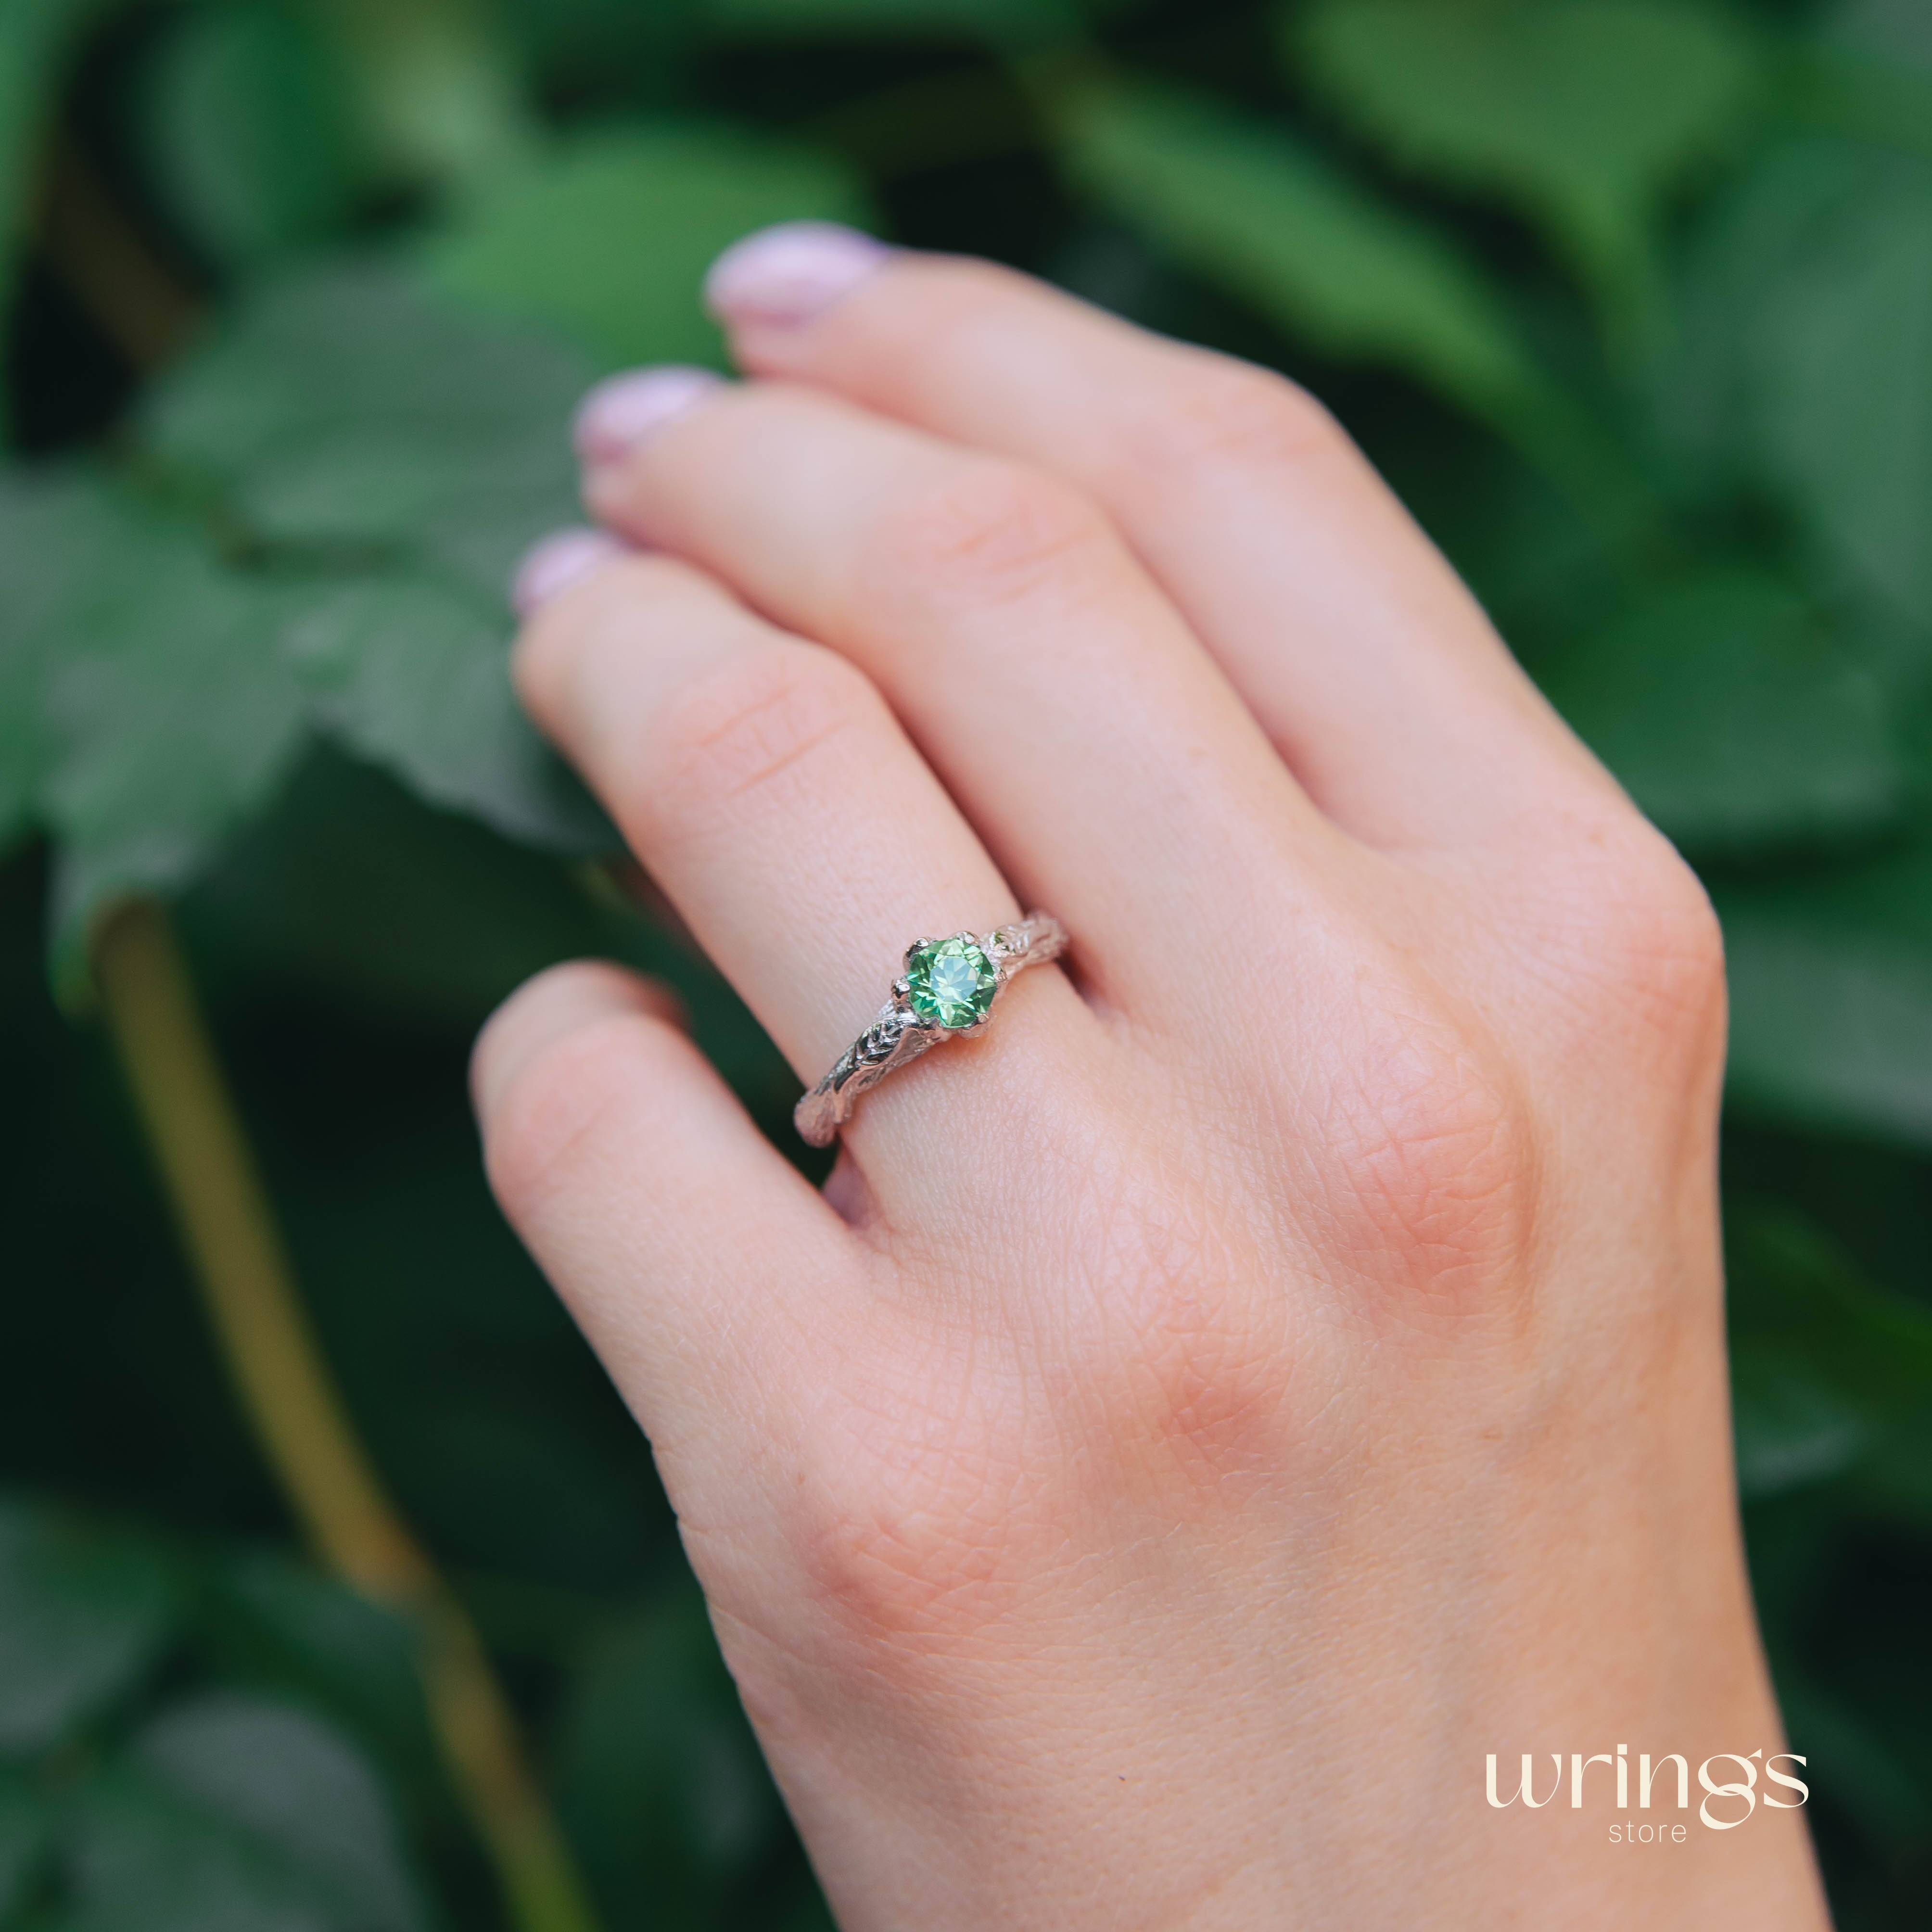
(336,487)
(1893,31)
(1844,402)
(345,405)
(1582,114)
(402,452)
(1244,204)
(1867,73)
(83,1612)
(1742,251)
(138,1856)
(1823,1363)
(415,679)
(233,1813)
(1831,984)
(243,131)
(1734,721)
(609,235)
(1802,366)
(351,889)
(660,1779)
(274,1625)
(173,715)
(295,1787)
(145,1848)
(26,1832)
(56,529)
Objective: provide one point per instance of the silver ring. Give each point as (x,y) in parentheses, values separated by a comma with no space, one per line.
(946,992)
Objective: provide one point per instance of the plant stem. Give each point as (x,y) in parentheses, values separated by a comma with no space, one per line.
(242,1268)
(142,306)
(434,88)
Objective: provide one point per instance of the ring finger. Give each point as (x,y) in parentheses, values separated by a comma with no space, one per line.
(1113,772)
(765,785)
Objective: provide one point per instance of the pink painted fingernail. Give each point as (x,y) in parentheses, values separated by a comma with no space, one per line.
(788,274)
(553,563)
(621,411)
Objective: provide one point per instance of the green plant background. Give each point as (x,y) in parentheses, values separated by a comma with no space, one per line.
(1631,299)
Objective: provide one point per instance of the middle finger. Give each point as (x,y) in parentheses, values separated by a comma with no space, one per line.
(1113,772)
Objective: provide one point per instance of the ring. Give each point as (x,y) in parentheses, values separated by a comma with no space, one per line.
(946,992)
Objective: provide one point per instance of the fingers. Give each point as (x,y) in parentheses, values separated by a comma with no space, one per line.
(766,788)
(1376,674)
(647,1195)
(1115,776)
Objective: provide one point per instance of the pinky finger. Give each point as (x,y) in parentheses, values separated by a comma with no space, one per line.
(696,1260)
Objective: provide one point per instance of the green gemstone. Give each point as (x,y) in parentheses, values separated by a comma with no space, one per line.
(951,982)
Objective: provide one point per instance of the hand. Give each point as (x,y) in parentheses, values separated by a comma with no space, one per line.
(1281,1363)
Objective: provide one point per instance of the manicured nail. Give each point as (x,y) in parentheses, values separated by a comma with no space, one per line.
(621,411)
(553,563)
(788,274)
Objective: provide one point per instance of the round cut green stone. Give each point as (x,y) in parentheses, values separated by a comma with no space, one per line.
(951,982)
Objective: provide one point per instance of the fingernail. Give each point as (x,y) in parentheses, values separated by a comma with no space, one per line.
(620,412)
(788,274)
(553,563)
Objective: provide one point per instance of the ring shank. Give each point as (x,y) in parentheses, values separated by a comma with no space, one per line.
(897,1036)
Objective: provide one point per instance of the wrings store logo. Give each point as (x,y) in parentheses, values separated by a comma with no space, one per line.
(1736,1797)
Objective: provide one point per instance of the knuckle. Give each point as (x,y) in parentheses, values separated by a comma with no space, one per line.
(743,725)
(1642,942)
(984,533)
(913,1527)
(1667,934)
(1187,1371)
(927,1527)
(1198,1399)
(1434,1148)
(1223,413)
(904,1570)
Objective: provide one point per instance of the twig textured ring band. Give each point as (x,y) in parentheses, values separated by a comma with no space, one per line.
(946,992)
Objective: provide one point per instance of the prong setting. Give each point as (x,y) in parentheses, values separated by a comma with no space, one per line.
(947,991)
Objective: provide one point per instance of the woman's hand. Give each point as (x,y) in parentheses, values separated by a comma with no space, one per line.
(1282,1363)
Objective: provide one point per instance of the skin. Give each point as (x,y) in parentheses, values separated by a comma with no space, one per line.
(1282,1361)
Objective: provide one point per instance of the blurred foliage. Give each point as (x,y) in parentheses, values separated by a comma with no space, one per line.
(1631,300)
